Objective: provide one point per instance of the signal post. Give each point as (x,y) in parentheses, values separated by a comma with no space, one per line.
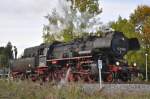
(100,73)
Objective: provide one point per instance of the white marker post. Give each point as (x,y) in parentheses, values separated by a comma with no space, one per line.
(100,76)
(146,67)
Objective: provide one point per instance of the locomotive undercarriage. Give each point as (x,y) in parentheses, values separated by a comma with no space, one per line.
(81,69)
(76,69)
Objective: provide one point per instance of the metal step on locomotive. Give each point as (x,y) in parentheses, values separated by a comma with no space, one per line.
(77,60)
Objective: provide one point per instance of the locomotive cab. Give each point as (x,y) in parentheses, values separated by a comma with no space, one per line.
(42,55)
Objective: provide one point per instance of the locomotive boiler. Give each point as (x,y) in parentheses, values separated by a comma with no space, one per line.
(77,60)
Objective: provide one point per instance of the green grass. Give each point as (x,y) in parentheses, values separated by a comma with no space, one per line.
(30,90)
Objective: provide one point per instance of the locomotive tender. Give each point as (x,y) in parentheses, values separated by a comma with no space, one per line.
(77,60)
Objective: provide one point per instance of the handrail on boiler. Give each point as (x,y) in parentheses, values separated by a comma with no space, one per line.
(72,58)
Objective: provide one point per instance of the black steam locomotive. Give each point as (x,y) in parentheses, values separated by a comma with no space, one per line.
(77,60)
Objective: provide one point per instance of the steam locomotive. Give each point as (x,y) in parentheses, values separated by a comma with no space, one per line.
(77,60)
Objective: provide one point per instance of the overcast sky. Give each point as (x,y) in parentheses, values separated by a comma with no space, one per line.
(21,21)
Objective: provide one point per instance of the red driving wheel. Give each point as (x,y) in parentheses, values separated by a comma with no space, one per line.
(110,77)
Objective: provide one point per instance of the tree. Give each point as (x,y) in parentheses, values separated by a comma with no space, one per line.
(47,36)
(146,31)
(125,26)
(90,6)
(2,57)
(3,60)
(8,50)
(6,54)
(73,20)
(141,16)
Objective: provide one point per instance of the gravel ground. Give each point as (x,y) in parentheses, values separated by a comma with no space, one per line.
(117,88)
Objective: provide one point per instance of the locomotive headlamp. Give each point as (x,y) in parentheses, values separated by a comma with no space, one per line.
(117,63)
(134,64)
(29,65)
(54,62)
(123,39)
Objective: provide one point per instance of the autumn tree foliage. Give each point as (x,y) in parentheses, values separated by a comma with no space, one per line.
(125,26)
(71,21)
(89,6)
(146,31)
(140,14)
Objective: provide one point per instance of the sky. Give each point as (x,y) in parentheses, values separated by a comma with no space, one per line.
(21,21)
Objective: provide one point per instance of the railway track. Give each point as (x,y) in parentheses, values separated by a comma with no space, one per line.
(118,88)
(107,88)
